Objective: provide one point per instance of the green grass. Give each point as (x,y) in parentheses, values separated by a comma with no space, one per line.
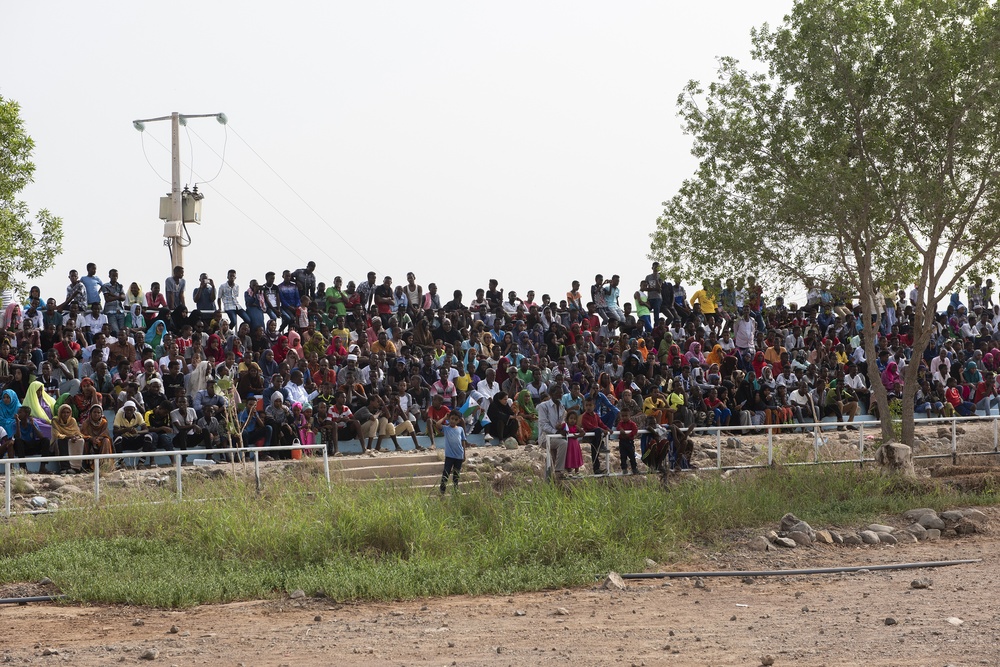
(381,542)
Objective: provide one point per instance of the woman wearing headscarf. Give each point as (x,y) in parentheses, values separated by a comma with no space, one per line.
(280,349)
(198,373)
(20,380)
(716,355)
(9,404)
(268,366)
(891,379)
(67,438)
(251,383)
(316,344)
(503,423)
(758,364)
(42,407)
(134,319)
(213,351)
(12,317)
(527,417)
(94,428)
(87,397)
(154,335)
(694,355)
(295,343)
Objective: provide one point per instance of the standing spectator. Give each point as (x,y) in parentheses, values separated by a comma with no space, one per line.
(366,290)
(288,292)
(92,284)
(173,289)
(305,280)
(454,449)
(114,300)
(76,292)
(229,300)
(204,298)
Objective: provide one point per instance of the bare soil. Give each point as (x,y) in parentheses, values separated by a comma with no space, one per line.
(828,620)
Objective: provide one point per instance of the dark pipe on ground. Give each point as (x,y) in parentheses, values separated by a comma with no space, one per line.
(37,598)
(815,570)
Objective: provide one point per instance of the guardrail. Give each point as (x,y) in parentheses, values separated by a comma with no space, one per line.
(176,455)
(816,429)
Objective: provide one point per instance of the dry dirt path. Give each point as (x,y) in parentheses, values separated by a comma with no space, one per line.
(819,620)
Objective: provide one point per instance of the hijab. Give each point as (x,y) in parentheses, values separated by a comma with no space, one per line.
(716,355)
(8,413)
(295,343)
(152,337)
(758,364)
(31,399)
(890,376)
(268,366)
(64,426)
(971,373)
(280,349)
(525,403)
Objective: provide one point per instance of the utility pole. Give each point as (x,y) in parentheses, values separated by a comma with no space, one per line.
(174,213)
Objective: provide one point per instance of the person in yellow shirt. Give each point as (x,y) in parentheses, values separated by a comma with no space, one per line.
(705,297)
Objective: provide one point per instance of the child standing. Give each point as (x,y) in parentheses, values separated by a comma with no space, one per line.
(594,430)
(307,432)
(454,448)
(574,455)
(627,431)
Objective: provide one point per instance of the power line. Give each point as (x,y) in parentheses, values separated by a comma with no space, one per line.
(143,142)
(241,211)
(302,199)
(278,211)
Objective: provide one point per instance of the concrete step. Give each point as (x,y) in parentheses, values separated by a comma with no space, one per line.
(416,482)
(398,471)
(383,459)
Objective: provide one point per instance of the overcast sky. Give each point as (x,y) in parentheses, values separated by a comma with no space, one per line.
(532,142)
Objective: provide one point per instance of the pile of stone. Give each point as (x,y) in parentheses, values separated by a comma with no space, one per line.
(923,524)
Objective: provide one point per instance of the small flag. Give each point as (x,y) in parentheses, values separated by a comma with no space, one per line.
(468,407)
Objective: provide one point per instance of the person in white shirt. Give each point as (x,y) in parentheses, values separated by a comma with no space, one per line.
(488,388)
(941,367)
(745,331)
(856,382)
(551,422)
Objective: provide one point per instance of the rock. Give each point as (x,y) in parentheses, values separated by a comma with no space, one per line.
(45,581)
(651,563)
(174,630)
(869,537)
(824,537)
(951,518)
(54,483)
(880,528)
(921,583)
(510,443)
(959,430)
(788,521)
(785,542)
(699,583)
(520,612)
(562,611)
(149,654)
(896,459)
(39,501)
(317,618)
(803,527)
(771,535)
(944,432)
(50,651)
(965,527)
(886,538)
(138,622)
(800,538)
(27,488)
(837,539)
(933,534)
(767,660)
(917,531)
(976,517)
(297,594)
(904,537)
(760,543)
(931,521)
(954,621)
(732,443)
(69,489)
(889,620)
(614,582)
(852,540)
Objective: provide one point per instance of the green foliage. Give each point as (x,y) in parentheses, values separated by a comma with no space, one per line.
(28,244)
(381,542)
(863,143)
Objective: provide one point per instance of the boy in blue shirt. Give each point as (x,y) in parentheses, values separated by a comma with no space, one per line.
(454,448)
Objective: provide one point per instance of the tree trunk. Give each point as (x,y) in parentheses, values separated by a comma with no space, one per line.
(874,377)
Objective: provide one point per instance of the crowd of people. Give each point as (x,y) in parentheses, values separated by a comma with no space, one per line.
(114,367)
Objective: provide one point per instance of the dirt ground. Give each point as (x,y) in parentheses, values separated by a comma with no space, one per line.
(828,620)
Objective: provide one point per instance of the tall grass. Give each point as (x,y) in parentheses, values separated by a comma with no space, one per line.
(381,542)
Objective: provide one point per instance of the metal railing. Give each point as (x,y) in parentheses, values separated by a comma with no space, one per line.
(176,455)
(816,430)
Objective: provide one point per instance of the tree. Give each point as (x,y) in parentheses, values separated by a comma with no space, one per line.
(863,152)
(28,245)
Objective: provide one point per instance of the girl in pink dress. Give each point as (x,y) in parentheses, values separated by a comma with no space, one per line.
(574,455)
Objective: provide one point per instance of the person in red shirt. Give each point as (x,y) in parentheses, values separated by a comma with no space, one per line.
(627,432)
(954,398)
(437,416)
(595,431)
(347,426)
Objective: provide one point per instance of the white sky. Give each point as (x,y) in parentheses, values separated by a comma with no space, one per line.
(532,142)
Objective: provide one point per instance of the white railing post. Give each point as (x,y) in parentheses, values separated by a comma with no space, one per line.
(995,433)
(177,468)
(954,440)
(718,448)
(256,468)
(861,445)
(97,481)
(770,446)
(6,475)
(326,468)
